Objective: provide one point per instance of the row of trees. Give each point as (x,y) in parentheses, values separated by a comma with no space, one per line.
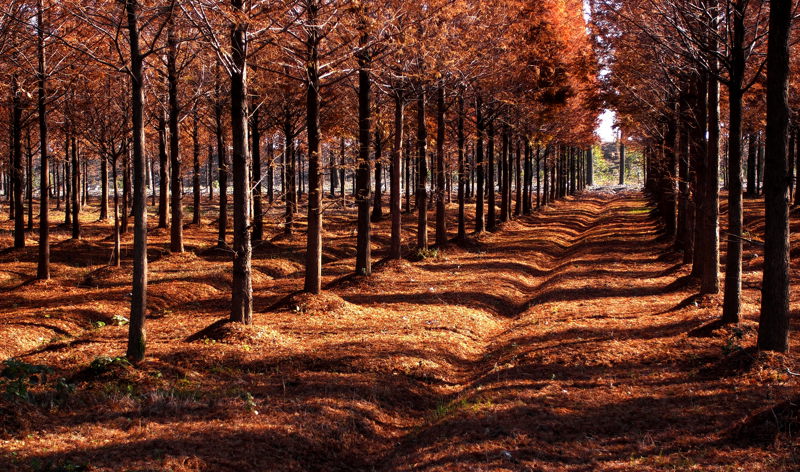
(505,91)
(673,66)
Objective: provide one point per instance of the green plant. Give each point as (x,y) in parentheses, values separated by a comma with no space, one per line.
(119,320)
(103,364)
(19,376)
(732,344)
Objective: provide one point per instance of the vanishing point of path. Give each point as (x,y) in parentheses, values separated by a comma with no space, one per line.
(567,340)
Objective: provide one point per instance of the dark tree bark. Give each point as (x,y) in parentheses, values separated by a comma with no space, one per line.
(668,178)
(492,215)
(363,244)
(290,183)
(210,173)
(752,154)
(684,235)
(76,192)
(270,171)
(710,280)
(242,288)
(258,203)
(518,179)
(731,305)
(699,165)
(773,326)
(621,158)
(589,168)
(313,276)
(422,175)
(395,249)
(342,180)
(441,217)
(196,167)
(163,173)
(16,165)
(29,178)
(126,190)
(103,188)
(176,190)
(116,256)
(505,180)
(151,178)
(222,174)
(539,162)
(462,177)
(797,165)
(377,197)
(480,225)
(136,331)
(43,263)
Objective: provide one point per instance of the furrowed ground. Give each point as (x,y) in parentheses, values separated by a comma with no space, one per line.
(568,340)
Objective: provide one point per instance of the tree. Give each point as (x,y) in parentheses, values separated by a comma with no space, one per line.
(773,327)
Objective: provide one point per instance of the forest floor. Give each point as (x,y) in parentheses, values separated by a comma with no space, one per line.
(571,340)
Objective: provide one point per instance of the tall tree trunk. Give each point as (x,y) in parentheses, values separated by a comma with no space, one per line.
(377,199)
(163,173)
(797,165)
(492,215)
(462,177)
(441,217)
(505,181)
(176,190)
(76,191)
(342,180)
(242,287)
(103,188)
(752,153)
(43,263)
(710,279)
(395,250)
(289,190)
(313,276)
(773,326)
(16,165)
(518,179)
(422,175)
(136,331)
(29,178)
(58,180)
(126,190)
(363,249)
(699,165)
(270,171)
(684,236)
(731,305)
(480,225)
(210,173)
(150,176)
(116,256)
(222,174)
(621,158)
(538,176)
(258,202)
(196,167)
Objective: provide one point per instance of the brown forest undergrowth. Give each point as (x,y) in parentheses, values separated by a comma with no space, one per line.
(568,340)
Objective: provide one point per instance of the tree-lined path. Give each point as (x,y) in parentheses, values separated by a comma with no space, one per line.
(567,340)
(257,235)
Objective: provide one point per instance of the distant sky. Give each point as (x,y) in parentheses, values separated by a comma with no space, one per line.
(605,130)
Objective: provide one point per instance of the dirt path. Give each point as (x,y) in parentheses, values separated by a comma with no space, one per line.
(569,340)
